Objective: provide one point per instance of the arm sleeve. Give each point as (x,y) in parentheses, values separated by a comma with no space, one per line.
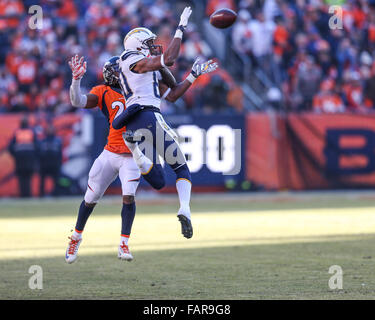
(77,99)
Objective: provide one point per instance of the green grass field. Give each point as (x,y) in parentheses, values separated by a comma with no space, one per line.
(248,246)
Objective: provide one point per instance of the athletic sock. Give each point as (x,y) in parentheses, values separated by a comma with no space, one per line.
(83,214)
(77,234)
(144,164)
(183,187)
(124,239)
(127,218)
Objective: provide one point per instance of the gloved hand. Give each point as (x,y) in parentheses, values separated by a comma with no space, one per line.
(78,67)
(185,17)
(202,68)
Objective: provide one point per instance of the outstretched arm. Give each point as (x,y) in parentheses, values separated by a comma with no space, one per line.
(170,55)
(173,93)
(77,99)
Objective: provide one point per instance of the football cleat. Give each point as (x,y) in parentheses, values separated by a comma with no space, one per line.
(186,227)
(72,250)
(124,253)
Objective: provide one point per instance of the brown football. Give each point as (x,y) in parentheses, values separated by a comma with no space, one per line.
(223,18)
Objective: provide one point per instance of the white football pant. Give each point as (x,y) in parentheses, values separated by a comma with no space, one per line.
(105,170)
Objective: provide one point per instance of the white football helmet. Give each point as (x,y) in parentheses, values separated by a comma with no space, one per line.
(141,39)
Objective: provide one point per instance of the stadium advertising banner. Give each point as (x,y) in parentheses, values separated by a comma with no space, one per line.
(212,144)
(269,150)
(310,151)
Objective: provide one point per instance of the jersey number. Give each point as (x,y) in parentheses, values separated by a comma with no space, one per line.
(125,87)
(120,106)
(128,92)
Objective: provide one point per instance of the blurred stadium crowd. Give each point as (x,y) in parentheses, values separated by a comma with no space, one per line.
(34,74)
(314,67)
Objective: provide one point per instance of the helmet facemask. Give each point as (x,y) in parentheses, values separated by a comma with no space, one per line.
(111,74)
(154,49)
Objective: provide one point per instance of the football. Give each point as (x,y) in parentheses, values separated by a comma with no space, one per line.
(223,18)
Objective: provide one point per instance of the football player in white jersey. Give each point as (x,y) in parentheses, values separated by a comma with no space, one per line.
(142,65)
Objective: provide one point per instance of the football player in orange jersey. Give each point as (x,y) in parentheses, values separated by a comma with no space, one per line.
(115,160)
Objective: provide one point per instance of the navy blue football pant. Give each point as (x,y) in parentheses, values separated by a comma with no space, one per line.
(158,139)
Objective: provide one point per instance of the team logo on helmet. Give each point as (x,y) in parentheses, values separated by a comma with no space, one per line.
(142,40)
(136,30)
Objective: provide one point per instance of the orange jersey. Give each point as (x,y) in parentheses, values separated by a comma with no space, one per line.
(111,102)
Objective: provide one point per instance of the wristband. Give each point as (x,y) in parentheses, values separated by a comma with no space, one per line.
(191,78)
(179,32)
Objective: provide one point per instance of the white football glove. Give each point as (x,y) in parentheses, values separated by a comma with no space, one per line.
(184,19)
(202,68)
(78,67)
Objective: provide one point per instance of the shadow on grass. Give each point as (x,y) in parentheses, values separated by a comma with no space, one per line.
(144,246)
(277,271)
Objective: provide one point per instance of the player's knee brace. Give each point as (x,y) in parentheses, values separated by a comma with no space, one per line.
(183,172)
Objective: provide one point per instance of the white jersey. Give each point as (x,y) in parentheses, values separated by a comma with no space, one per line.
(138,88)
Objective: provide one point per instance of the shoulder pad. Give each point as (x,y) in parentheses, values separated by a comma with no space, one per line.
(127,54)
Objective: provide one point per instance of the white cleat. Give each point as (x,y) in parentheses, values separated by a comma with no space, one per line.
(72,250)
(124,253)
